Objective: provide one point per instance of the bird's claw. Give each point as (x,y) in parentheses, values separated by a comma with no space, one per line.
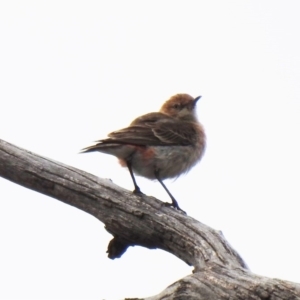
(137,191)
(175,206)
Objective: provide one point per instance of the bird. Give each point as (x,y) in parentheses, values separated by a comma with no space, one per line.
(159,145)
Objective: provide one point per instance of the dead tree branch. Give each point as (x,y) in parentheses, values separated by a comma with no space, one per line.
(219,273)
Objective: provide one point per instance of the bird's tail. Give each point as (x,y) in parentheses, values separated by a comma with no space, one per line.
(118,150)
(90,149)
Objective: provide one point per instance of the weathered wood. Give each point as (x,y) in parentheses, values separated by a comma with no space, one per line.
(219,273)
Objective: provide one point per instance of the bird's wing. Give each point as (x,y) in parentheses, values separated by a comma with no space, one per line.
(175,133)
(135,135)
(155,129)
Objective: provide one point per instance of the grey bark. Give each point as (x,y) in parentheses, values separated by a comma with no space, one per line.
(219,271)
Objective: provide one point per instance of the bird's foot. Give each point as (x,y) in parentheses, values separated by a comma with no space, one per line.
(137,191)
(174,205)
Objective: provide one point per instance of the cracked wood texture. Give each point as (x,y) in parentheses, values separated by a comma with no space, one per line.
(219,271)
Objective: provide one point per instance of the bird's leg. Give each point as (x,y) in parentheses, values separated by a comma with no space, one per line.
(137,190)
(174,202)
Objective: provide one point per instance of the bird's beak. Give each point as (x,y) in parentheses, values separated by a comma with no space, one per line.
(196,99)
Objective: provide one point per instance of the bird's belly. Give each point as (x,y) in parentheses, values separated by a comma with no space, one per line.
(169,161)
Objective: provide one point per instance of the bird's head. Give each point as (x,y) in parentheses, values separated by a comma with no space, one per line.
(181,106)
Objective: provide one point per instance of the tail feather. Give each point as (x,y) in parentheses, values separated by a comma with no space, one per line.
(102,147)
(117,150)
(90,149)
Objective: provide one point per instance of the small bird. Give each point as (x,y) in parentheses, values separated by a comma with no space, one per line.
(158,145)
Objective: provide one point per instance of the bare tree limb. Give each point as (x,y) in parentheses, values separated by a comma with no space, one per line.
(219,273)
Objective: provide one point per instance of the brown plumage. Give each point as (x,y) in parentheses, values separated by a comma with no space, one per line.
(159,145)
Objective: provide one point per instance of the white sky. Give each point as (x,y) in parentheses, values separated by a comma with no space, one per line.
(73,71)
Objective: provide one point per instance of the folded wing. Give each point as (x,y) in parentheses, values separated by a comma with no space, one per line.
(154,129)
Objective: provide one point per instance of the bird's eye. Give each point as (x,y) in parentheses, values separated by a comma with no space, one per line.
(176,106)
